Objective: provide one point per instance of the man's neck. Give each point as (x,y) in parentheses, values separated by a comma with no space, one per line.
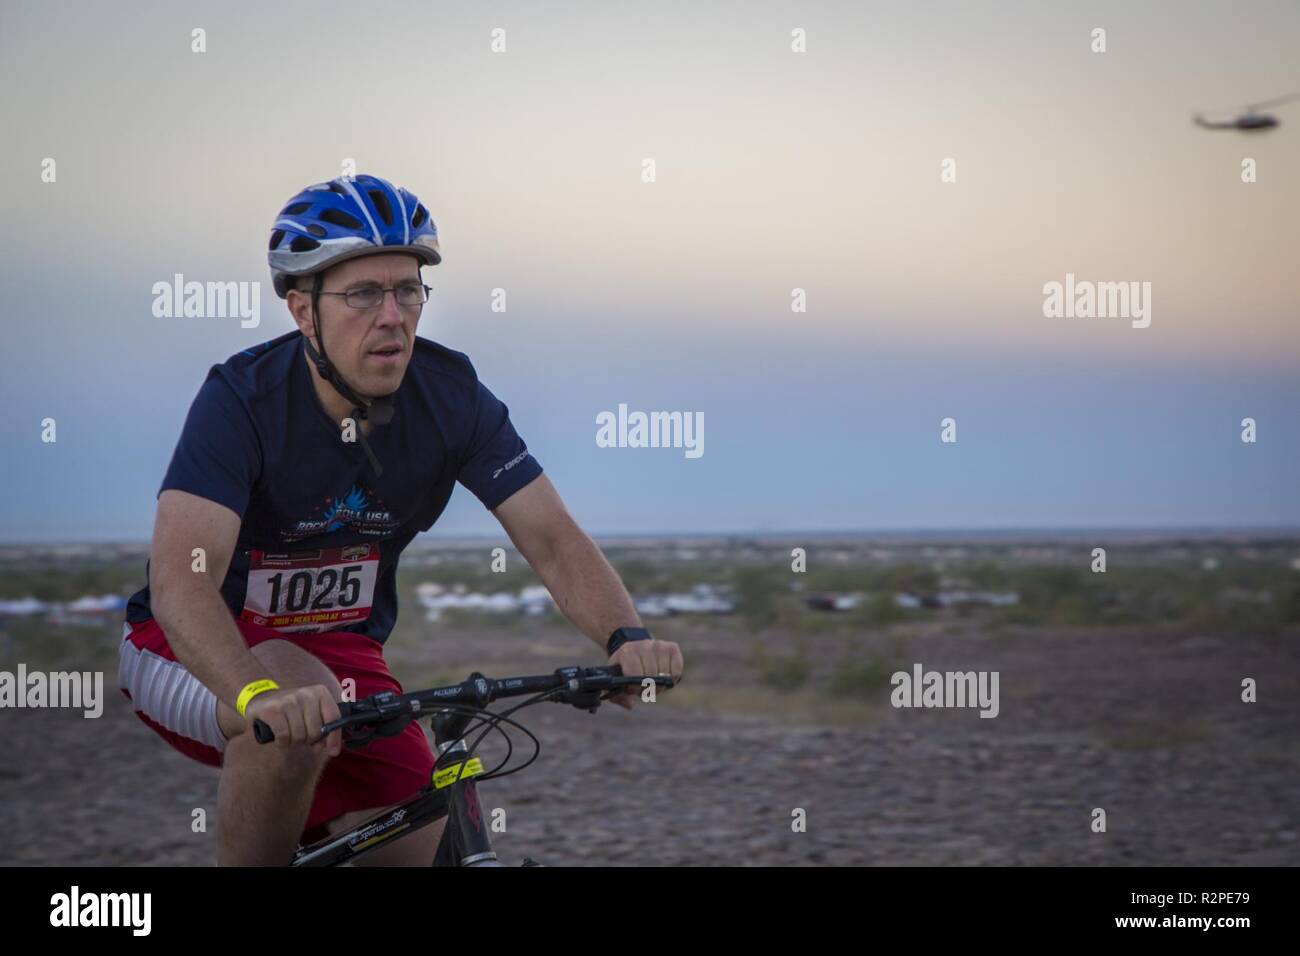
(334,405)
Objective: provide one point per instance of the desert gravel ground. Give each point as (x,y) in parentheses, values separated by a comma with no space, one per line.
(1149,727)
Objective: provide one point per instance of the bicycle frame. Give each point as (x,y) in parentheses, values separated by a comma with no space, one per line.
(465,840)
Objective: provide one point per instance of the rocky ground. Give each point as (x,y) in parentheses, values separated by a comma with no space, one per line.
(1148,726)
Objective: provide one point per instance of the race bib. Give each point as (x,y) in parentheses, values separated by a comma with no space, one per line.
(311,590)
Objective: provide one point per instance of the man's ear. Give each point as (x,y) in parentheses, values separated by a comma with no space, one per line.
(299,303)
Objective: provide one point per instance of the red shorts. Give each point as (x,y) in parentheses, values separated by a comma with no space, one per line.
(183,711)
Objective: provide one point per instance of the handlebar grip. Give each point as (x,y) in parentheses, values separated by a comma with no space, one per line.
(262,732)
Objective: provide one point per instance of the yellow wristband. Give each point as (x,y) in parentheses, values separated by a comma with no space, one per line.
(252,690)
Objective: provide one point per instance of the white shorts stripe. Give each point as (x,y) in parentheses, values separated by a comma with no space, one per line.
(164,691)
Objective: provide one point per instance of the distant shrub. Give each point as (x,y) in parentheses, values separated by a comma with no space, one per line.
(861,678)
(912,578)
(868,674)
(879,610)
(783,672)
(76,579)
(756,590)
(1289,605)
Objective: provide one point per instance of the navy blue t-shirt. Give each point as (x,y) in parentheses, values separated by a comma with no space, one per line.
(321,533)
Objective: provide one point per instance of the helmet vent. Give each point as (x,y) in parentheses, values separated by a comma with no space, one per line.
(337,188)
(316,229)
(381,203)
(421,214)
(276,237)
(295,208)
(339,218)
(303,244)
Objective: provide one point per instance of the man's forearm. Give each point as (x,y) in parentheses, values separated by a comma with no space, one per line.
(586,589)
(204,638)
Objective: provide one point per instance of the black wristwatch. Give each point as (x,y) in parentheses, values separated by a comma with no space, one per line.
(623,635)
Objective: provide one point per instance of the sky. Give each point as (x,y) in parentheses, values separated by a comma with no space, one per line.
(774,171)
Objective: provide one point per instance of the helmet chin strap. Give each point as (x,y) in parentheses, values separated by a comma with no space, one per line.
(378,411)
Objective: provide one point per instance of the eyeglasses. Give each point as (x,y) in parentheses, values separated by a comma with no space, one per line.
(409,295)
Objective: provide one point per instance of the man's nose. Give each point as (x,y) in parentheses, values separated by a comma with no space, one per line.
(390,313)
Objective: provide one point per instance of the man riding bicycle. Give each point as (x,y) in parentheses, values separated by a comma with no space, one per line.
(305,466)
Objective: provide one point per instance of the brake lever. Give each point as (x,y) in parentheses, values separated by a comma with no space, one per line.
(588,700)
(358,740)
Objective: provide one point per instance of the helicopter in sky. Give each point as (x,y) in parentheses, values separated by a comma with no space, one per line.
(1251,120)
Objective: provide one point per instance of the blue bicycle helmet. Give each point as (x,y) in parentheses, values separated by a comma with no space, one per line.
(345,218)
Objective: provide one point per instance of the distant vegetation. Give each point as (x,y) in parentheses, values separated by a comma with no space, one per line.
(1213,585)
(783,672)
(67,582)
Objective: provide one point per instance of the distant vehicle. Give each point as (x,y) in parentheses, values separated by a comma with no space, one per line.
(988,598)
(914,601)
(536,600)
(88,611)
(701,599)
(437,599)
(652,606)
(105,604)
(23,607)
(834,602)
(1251,120)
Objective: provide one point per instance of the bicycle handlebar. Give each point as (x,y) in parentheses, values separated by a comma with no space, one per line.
(579,686)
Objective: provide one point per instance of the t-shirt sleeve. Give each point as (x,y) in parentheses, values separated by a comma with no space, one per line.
(496,462)
(218,456)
